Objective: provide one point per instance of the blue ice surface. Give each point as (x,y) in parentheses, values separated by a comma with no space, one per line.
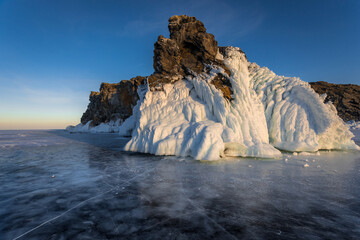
(56,185)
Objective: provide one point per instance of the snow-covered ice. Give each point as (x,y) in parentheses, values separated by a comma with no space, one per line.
(110,127)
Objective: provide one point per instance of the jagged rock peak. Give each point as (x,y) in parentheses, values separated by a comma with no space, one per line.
(184,25)
(188,50)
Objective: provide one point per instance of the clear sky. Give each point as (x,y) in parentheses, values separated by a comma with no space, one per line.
(53,53)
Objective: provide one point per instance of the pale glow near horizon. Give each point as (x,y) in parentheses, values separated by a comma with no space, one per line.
(22,107)
(27,123)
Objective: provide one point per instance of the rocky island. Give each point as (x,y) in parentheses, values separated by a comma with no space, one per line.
(210,102)
(188,50)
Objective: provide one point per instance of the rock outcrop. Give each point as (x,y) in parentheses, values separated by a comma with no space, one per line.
(112,102)
(190,50)
(345,97)
(187,52)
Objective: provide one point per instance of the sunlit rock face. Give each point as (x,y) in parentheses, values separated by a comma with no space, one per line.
(345,97)
(210,102)
(190,50)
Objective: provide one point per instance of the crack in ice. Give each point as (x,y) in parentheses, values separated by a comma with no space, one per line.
(78,205)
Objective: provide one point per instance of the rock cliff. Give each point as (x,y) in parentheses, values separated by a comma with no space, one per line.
(345,97)
(113,101)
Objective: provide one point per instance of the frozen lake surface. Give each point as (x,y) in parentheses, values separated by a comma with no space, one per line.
(56,185)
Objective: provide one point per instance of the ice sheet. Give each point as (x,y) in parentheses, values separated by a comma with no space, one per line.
(87,189)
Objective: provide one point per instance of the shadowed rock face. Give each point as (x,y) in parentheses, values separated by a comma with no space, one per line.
(187,52)
(345,97)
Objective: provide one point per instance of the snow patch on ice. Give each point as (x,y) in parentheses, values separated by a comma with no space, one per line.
(308,153)
(110,127)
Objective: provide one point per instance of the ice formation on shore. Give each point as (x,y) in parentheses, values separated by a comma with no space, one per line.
(110,127)
(268,112)
(297,117)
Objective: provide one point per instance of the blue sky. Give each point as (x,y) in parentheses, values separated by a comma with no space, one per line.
(53,53)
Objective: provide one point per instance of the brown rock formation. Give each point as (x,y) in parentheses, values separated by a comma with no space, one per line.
(345,97)
(112,102)
(188,50)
